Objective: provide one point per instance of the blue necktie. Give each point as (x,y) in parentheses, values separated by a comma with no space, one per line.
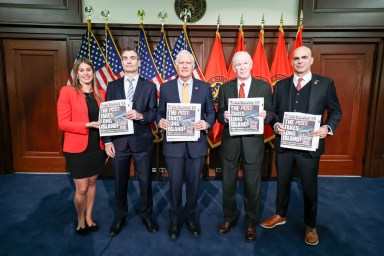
(130,90)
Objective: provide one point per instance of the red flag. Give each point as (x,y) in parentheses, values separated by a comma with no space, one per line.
(281,67)
(216,74)
(298,42)
(260,71)
(239,47)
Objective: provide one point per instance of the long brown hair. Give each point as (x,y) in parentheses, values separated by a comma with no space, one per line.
(76,83)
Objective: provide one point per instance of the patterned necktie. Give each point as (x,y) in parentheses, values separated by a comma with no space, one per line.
(241,91)
(298,86)
(130,89)
(185,96)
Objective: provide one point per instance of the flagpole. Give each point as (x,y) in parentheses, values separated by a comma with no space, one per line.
(89,10)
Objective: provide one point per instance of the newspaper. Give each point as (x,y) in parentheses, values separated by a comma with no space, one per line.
(113,120)
(182,117)
(298,127)
(245,116)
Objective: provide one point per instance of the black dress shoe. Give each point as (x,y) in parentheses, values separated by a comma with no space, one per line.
(116,227)
(173,232)
(193,228)
(151,225)
(92,228)
(82,231)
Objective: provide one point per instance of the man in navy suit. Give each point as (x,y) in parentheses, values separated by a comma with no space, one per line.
(306,93)
(139,145)
(184,160)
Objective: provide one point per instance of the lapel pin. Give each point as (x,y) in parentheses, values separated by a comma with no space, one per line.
(316,81)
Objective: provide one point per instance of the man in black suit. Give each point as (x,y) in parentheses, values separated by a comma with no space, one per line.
(248,148)
(307,93)
(139,145)
(184,160)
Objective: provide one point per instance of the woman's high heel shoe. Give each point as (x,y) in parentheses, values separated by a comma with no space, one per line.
(82,231)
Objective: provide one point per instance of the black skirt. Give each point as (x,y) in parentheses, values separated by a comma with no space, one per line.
(91,161)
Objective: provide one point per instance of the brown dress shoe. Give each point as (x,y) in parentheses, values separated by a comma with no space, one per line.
(226,227)
(273,221)
(311,236)
(250,234)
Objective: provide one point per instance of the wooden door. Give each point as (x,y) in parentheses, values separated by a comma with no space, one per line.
(35,72)
(351,66)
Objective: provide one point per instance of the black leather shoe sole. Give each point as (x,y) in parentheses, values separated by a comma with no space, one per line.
(116,227)
(151,225)
(174,232)
(194,229)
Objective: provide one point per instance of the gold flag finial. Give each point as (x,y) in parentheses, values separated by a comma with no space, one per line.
(140,15)
(185,13)
(262,22)
(301,18)
(162,16)
(105,14)
(281,19)
(242,21)
(88,9)
(218,23)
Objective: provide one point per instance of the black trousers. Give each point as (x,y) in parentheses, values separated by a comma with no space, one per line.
(121,165)
(252,183)
(308,168)
(182,169)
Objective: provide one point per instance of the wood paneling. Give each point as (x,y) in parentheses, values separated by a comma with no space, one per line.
(5,148)
(40,11)
(323,13)
(351,68)
(36,70)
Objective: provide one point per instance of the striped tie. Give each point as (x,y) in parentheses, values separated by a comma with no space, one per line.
(130,89)
(298,86)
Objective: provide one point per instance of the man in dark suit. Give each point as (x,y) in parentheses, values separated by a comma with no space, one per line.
(307,93)
(248,148)
(139,145)
(184,160)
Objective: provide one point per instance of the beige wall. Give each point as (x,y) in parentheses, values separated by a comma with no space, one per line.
(230,11)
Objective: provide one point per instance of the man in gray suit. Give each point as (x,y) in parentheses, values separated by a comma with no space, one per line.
(248,148)
(306,93)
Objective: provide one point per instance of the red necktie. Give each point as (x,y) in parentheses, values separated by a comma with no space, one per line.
(241,91)
(298,86)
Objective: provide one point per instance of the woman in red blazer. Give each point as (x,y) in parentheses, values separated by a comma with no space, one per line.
(77,112)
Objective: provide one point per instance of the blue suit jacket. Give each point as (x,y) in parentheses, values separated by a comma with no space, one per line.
(145,102)
(201,93)
(322,98)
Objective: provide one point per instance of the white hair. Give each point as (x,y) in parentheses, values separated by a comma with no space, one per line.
(185,52)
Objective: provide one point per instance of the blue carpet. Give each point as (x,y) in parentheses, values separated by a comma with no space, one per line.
(37,217)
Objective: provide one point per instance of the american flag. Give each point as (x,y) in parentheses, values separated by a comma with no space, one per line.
(91,49)
(112,54)
(182,43)
(147,69)
(163,59)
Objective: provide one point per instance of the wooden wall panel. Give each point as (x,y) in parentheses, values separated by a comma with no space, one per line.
(40,11)
(36,70)
(5,148)
(351,68)
(323,13)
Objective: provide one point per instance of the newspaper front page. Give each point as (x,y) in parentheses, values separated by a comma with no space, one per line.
(245,116)
(113,120)
(182,117)
(298,128)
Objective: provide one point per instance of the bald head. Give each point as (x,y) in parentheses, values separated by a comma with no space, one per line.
(302,60)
